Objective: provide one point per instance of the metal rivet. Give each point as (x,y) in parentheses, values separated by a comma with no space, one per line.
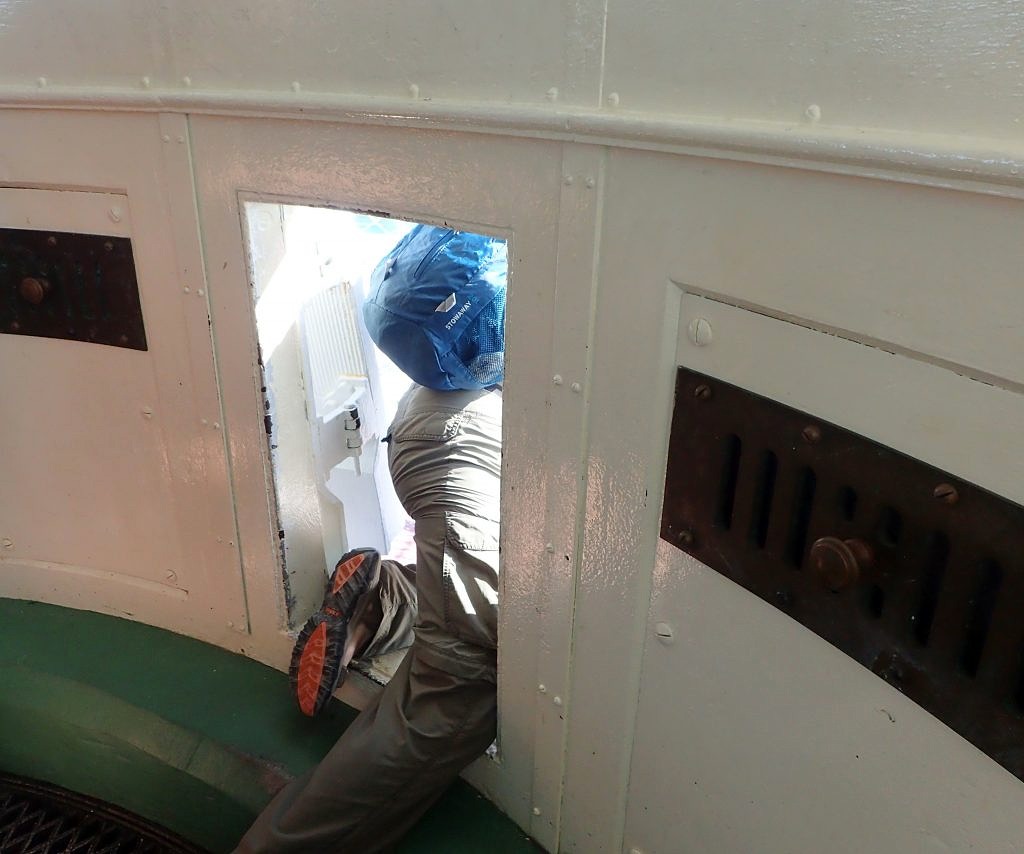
(536,810)
(591,183)
(186,81)
(700,331)
(557,379)
(542,688)
(42,81)
(216,425)
(783,598)
(8,543)
(296,86)
(145,81)
(181,137)
(230,624)
(414,90)
(702,392)
(108,246)
(51,241)
(685,537)
(556,700)
(552,93)
(567,180)
(813,113)
(946,493)
(147,411)
(114,214)
(205,422)
(575,387)
(549,548)
(200,292)
(166,137)
(811,434)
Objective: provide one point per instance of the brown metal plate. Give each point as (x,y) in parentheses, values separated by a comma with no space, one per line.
(80,287)
(914,573)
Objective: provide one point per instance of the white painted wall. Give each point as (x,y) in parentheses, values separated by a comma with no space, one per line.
(835,186)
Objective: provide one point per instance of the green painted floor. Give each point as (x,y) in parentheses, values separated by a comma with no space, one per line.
(183,733)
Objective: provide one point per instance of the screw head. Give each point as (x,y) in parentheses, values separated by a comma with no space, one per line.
(811,434)
(702,392)
(946,493)
(700,331)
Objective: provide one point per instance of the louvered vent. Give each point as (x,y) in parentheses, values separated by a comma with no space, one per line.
(336,365)
(915,574)
(79,287)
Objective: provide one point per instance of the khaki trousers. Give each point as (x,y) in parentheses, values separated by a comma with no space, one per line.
(438,713)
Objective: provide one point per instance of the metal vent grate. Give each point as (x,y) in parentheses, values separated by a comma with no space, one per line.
(916,575)
(39,819)
(79,287)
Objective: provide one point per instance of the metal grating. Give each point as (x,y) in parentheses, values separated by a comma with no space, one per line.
(79,287)
(36,818)
(913,573)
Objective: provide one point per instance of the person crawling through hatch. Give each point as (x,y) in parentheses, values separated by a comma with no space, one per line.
(436,308)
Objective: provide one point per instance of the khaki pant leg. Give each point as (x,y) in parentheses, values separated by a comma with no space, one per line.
(391,764)
(439,711)
(396,607)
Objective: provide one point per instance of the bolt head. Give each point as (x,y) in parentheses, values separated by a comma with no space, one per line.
(946,493)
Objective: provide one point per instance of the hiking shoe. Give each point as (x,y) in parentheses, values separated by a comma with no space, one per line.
(316,659)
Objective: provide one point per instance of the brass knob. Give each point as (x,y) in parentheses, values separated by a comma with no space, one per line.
(840,563)
(33,290)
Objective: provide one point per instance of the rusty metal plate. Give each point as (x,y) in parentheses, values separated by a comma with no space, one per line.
(80,287)
(914,573)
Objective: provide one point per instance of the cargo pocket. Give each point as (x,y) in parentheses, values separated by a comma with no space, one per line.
(419,455)
(470,582)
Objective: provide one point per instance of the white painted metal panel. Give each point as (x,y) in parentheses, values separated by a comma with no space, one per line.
(505,187)
(115,481)
(753,734)
(947,65)
(768,722)
(913,269)
(787,242)
(456,49)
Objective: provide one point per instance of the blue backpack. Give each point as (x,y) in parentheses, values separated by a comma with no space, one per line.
(436,307)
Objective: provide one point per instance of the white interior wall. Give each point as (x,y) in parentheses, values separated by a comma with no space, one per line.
(422,112)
